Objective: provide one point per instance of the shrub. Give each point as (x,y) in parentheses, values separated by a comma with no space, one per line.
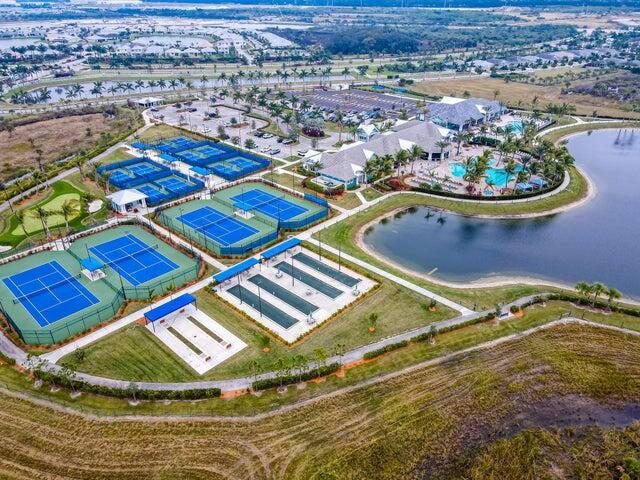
(514,309)
(387,348)
(313,132)
(289,379)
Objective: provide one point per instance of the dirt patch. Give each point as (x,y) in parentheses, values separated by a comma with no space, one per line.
(55,139)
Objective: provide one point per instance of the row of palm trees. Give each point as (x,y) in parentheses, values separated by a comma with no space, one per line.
(591,292)
(232,80)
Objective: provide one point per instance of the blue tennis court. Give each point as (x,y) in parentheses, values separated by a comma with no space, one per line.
(179,143)
(49,293)
(142,169)
(133,259)
(241,162)
(224,229)
(153,194)
(264,202)
(120,176)
(207,151)
(173,184)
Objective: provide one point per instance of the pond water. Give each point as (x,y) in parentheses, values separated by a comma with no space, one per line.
(598,241)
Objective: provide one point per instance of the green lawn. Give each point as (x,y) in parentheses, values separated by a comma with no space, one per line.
(131,353)
(117,155)
(249,404)
(371,193)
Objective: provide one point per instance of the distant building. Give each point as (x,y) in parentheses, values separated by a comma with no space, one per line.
(460,114)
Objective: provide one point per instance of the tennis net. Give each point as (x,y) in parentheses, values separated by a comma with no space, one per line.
(129,255)
(47,288)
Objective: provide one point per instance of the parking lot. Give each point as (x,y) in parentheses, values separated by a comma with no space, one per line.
(359,102)
(196,117)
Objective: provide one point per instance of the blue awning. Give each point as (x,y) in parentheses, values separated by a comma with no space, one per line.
(244,205)
(281,247)
(200,170)
(169,307)
(168,158)
(235,270)
(91,264)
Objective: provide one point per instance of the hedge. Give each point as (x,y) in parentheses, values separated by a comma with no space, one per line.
(289,379)
(142,394)
(387,348)
(6,359)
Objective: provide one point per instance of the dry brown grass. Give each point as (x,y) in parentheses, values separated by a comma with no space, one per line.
(521,95)
(56,138)
(416,424)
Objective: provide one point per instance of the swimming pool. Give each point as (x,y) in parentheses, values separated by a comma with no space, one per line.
(517,127)
(496,176)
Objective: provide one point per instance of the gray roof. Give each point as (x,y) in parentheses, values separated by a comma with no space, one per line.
(345,163)
(460,113)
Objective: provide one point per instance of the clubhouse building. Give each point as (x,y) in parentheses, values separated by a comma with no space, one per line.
(346,166)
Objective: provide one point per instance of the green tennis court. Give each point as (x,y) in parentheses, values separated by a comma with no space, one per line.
(214,226)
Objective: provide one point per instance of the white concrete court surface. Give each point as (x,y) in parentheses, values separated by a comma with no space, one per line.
(326,306)
(216,343)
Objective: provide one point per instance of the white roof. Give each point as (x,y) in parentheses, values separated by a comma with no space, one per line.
(451,100)
(125,197)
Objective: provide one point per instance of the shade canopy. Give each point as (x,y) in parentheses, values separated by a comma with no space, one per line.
(91,264)
(235,270)
(281,247)
(168,308)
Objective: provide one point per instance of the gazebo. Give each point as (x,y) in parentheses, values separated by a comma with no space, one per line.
(123,201)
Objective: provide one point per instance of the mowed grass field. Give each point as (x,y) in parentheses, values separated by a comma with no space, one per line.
(57,139)
(521,95)
(462,418)
(134,353)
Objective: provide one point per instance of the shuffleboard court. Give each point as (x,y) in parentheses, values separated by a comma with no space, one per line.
(49,293)
(133,259)
(270,311)
(310,280)
(283,294)
(264,202)
(224,229)
(328,270)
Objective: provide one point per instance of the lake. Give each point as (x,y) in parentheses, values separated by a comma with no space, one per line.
(598,241)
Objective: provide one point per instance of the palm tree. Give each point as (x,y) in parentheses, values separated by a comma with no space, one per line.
(613,294)
(20,217)
(583,288)
(70,208)
(415,152)
(401,159)
(509,170)
(42,215)
(442,144)
(597,289)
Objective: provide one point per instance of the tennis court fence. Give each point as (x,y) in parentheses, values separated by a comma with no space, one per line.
(58,333)
(194,236)
(159,287)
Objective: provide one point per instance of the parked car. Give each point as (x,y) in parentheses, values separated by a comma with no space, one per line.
(267,135)
(280,140)
(274,151)
(287,141)
(258,134)
(302,153)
